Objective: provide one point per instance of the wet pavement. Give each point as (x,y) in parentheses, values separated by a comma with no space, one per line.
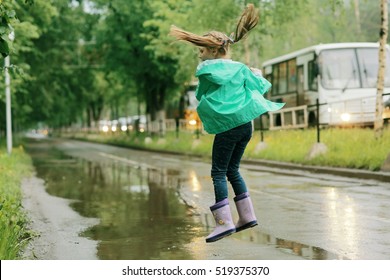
(155,206)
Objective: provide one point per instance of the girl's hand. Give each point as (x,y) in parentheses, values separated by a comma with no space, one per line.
(256,71)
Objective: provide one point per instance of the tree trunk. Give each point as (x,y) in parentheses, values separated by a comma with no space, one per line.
(247,53)
(378,125)
(357,18)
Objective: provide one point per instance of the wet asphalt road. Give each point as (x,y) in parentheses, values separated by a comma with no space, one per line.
(155,206)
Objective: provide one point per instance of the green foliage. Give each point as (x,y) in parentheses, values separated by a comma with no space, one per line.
(292,25)
(13,220)
(7,15)
(136,53)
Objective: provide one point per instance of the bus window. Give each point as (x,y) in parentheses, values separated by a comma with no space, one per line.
(269,78)
(313,72)
(368,61)
(275,80)
(292,75)
(339,69)
(341,75)
(282,81)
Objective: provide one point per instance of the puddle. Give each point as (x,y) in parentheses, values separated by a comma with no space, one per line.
(140,213)
(139,208)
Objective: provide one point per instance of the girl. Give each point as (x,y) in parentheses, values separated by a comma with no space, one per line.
(230,96)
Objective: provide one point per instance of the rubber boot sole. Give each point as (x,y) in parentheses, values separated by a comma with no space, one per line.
(246,226)
(220,236)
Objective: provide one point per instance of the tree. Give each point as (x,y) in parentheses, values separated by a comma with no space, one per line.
(378,125)
(12,14)
(61,65)
(130,52)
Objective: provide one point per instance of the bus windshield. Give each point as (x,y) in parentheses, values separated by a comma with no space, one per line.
(351,68)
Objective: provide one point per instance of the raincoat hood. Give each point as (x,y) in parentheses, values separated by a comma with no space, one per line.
(219,71)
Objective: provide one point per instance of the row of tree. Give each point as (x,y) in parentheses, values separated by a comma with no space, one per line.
(76,62)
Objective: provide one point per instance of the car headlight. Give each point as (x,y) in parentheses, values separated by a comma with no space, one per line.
(192,122)
(345,117)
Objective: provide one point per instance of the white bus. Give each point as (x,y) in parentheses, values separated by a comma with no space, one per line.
(342,76)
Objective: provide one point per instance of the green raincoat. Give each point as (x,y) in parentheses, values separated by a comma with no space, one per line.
(230,94)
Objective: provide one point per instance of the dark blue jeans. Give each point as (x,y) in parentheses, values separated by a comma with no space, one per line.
(228,148)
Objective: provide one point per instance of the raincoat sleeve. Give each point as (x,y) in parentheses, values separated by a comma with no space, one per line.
(256,82)
(198,92)
(204,86)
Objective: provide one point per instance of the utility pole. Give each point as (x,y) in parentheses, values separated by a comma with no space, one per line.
(11,36)
(8,104)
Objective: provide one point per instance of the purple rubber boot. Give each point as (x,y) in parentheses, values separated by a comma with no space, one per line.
(223,220)
(246,213)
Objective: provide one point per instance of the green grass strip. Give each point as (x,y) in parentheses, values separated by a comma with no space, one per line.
(13,220)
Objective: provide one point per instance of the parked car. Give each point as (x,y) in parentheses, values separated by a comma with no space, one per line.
(104,125)
(138,123)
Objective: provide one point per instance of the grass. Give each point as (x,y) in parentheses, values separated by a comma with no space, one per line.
(13,221)
(350,148)
(360,150)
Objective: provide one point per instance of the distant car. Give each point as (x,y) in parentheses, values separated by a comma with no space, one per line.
(130,123)
(114,125)
(123,124)
(138,122)
(104,125)
(37,133)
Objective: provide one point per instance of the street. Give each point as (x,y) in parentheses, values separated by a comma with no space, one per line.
(139,205)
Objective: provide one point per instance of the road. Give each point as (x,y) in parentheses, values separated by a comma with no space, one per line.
(129,204)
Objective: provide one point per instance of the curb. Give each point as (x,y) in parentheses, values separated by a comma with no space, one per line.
(345,172)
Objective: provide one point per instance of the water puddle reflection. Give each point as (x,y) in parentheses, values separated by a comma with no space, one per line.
(141,213)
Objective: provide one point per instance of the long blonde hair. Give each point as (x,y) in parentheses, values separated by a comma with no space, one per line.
(219,40)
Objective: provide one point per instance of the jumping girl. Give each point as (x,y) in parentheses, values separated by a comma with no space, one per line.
(230,96)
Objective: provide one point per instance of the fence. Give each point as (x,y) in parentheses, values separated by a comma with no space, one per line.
(290,118)
(157,127)
(298,117)
(160,127)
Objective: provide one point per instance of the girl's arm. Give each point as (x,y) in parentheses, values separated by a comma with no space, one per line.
(255,81)
(256,71)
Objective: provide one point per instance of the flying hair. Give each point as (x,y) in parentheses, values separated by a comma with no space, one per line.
(247,22)
(197,40)
(219,40)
